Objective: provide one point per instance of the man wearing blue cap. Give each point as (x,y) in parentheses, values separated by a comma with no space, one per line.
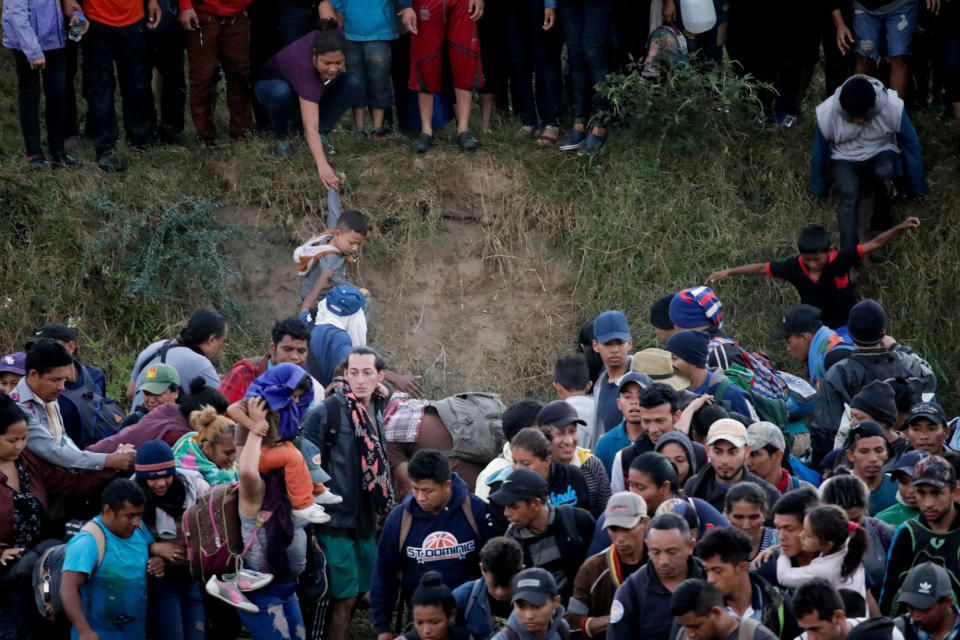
(611,339)
(631,427)
(901,472)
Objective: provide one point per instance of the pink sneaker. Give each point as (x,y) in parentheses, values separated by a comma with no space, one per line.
(228,593)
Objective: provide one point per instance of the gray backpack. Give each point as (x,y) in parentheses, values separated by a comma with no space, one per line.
(474,422)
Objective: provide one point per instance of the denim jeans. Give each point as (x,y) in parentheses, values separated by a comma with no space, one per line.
(104,47)
(53,80)
(848,177)
(588,32)
(280,617)
(370,62)
(532,49)
(16,613)
(175,607)
(282,103)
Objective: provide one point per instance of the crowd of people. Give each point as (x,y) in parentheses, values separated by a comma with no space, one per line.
(692,491)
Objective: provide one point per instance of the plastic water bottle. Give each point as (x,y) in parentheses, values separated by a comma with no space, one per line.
(76,27)
(699,16)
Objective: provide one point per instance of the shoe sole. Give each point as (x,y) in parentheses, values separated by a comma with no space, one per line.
(569,147)
(242,606)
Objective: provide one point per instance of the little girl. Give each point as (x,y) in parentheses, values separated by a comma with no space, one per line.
(841,545)
(434,611)
(272,407)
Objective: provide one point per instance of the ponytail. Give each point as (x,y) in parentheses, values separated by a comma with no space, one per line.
(329,38)
(830,524)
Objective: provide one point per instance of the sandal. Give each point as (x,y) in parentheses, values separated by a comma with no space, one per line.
(526,131)
(548,136)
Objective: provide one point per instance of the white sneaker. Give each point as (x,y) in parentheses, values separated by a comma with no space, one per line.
(230,594)
(248,579)
(314,513)
(328,497)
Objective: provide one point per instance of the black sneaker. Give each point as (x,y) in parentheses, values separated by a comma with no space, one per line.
(64,160)
(421,142)
(468,141)
(37,161)
(111,163)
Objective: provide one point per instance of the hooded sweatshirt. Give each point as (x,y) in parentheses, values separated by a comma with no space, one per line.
(557,631)
(443,542)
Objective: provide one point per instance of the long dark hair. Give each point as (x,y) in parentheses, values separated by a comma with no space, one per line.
(203,323)
(829,523)
(329,38)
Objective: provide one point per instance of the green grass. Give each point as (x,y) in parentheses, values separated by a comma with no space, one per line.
(676,195)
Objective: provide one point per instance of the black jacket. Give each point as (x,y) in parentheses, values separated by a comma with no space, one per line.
(704,486)
(566,485)
(643,603)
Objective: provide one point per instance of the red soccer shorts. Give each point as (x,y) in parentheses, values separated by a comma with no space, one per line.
(437,21)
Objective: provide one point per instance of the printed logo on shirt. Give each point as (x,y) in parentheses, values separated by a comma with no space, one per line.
(616,612)
(441,545)
(567,497)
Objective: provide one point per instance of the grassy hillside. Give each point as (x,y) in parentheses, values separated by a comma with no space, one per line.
(481,266)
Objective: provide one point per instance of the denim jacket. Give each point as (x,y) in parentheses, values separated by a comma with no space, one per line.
(473,609)
(33,26)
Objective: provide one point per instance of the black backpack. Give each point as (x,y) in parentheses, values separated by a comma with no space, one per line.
(100,417)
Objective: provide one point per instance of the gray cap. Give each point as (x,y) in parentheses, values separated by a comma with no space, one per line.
(925,584)
(760,434)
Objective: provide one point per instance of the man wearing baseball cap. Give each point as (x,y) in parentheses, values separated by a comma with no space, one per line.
(553,537)
(900,470)
(766,460)
(810,341)
(12,368)
(926,428)
(611,339)
(931,610)
(625,519)
(932,536)
(631,427)
(729,451)
(160,384)
(537,612)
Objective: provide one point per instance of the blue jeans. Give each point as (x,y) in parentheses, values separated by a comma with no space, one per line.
(848,177)
(280,617)
(16,609)
(281,102)
(370,61)
(896,27)
(175,608)
(588,32)
(532,49)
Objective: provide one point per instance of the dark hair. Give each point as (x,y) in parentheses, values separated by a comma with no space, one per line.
(660,312)
(520,415)
(378,362)
(668,522)
(830,524)
(658,394)
(203,323)
(571,372)
(703,418)
(746,492)
(329,38)
(292,327)
(45,355)
(731,544)
(854,605)
(857,97)
(533,440)
(695,596)
(813,239)
(796,503)
(817,596)
(660,469)
(429,464)
(119,492)
(351,220)
(200,394)
(502,557)
(845,491)
(10,413)
(433,593)
(305,384)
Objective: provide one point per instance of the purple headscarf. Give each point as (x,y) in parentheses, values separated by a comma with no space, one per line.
(276,386)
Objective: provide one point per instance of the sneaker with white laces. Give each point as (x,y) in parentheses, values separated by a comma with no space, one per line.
(248,579)
(230,594)
(328,497)
(314,513)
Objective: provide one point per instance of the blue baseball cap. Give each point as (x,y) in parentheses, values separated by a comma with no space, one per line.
(345,300)
(611,325)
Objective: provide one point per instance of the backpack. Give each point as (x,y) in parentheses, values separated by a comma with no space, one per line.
(99,417)
(764,379)
(767,409)
(746,631)
(893,371)
(474,422)
(212,532)
(48,572)
(161,352)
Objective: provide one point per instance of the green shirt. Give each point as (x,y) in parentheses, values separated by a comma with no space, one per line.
(897,514)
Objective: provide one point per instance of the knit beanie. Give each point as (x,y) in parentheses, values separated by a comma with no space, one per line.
(866,322)
(696,307)
(878,400)
(154,460)
(690,346)
(660,313)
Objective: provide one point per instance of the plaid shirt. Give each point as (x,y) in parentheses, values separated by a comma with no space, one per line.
(235,383)
(950,635)
(402,417)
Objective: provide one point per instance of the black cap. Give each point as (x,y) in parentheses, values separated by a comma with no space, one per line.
(534,585)
(905,463)
(660,313)
(521,484)
(558,414)
(800,319)
(865,429)
(866,323)
(929,410)
(54,331)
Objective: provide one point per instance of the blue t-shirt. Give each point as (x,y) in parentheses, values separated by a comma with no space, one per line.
(612,442)
(883,496)
(115,594)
